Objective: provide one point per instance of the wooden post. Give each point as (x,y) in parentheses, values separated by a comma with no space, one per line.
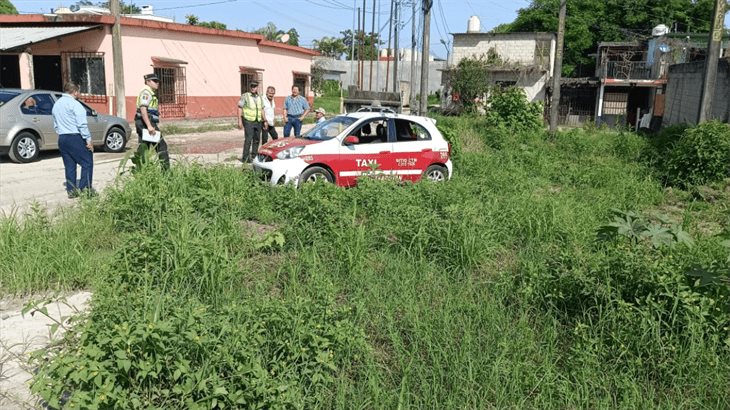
(423,107)
(557,69)
(709,79)
(118,59)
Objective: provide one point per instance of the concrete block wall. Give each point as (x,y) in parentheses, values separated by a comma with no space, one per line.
(517,48)
(379,69)
(684,88)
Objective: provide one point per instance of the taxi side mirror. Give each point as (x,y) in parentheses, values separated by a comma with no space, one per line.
(351,139)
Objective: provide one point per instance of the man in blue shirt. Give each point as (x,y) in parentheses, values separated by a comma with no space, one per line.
(296,108)
(74,140)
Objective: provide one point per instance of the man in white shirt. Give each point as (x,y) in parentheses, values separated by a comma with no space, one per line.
(269,108)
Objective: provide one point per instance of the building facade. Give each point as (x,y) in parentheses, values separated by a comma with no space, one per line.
(523,60)
(203,71)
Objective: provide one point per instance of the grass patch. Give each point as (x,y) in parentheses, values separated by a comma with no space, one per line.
(494,289)
(331,104)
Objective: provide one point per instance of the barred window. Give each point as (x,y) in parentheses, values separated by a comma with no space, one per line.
(86,70)
(172,94)
(249,75)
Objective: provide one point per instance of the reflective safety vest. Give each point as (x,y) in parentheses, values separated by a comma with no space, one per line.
(251,107)
(148,98)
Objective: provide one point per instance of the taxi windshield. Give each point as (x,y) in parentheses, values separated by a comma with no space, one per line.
(329,128)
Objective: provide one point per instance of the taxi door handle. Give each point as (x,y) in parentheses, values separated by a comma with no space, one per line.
(36,119)
(383,152)
(427,150)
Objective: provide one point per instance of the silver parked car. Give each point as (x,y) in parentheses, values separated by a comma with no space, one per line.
(26,125)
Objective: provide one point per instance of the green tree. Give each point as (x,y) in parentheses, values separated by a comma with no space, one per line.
(272,33)
(370,43)
(193,20)
(126,8)
(589,22)
(330,47)
(6,7)
(471,79)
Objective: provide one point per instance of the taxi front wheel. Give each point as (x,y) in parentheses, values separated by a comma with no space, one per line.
(316,174)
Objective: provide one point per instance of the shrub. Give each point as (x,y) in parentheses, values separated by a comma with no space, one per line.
(701,156)
(509,108)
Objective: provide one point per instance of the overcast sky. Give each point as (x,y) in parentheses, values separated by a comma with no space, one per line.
(315,19)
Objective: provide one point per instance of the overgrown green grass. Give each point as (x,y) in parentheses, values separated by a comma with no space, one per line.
(331,104)
(213,289)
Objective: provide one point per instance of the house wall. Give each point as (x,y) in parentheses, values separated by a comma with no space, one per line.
(517,49)
(684,88)
(212,71)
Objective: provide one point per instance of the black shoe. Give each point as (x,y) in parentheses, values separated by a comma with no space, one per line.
(73,194)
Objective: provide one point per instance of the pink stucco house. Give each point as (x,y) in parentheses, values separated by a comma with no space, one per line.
(203,71)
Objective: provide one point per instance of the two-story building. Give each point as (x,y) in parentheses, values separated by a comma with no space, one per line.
(634,76)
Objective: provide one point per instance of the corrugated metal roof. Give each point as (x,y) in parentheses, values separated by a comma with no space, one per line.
(13,37)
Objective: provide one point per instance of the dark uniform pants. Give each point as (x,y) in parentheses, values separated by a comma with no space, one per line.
(160,147)
(270,132)
(251,137)
(74,152)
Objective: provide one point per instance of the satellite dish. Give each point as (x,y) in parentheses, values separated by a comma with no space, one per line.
(74,8)
(284,38)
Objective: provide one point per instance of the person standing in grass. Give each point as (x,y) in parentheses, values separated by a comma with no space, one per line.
(250,119)
(148,118)
(74,140)
(296,108)
(269,109)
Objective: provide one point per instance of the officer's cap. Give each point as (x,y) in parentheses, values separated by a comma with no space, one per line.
(253,84)
(152,77)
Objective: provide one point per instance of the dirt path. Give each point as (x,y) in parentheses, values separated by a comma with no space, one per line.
(19,336)
(42,182)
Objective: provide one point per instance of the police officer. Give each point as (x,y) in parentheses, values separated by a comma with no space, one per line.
(148,117)
(251,118)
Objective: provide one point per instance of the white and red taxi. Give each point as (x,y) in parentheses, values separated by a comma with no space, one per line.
(348,146)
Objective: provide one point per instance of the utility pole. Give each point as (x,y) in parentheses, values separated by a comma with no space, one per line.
(372,46)
(557,68)
(364,49)
(423,106)
(713,54)
(352,46)
(359,51)
(412,102)
(396,34)
(390,32)
(118,60)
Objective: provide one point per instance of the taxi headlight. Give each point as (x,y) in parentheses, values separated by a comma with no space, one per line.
(290,153)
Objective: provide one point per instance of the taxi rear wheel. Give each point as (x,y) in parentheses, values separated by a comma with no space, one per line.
(316,174)
(436,173)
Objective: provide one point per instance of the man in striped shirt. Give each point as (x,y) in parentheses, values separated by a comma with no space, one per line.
(296,108)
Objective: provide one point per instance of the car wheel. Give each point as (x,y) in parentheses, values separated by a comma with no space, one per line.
(316,174)
(24,148)
(115,140)
(436,173)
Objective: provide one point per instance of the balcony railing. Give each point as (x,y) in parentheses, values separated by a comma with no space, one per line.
(628,70)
